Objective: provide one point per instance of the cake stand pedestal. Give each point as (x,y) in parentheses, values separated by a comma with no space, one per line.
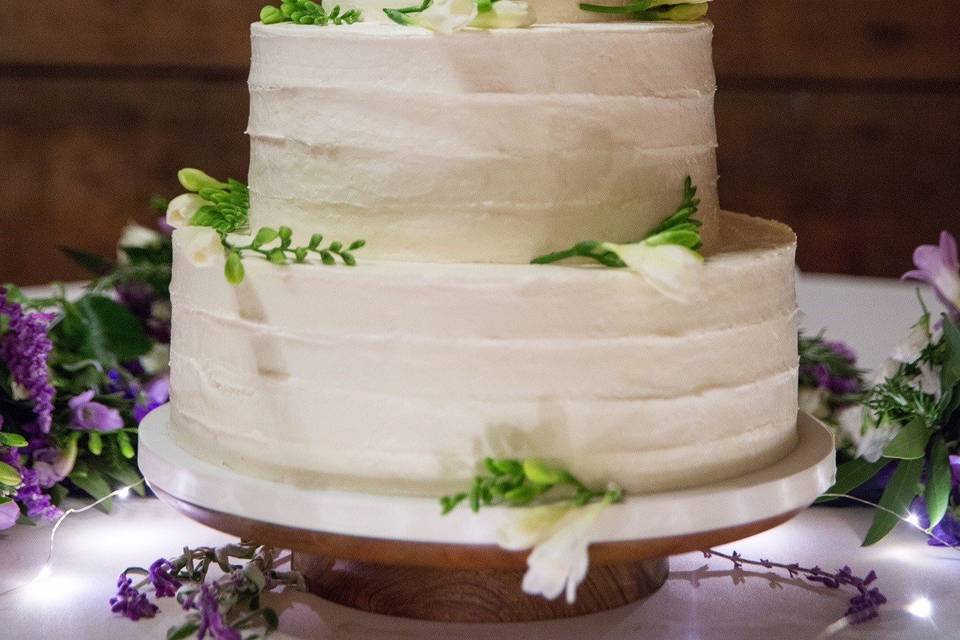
(397,556)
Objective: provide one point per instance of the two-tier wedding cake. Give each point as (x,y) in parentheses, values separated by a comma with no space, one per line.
(460,158)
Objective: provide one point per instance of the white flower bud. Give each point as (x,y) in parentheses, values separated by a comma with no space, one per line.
(505,14)
(447,16)
(181,209)
(671,269)
(202,245)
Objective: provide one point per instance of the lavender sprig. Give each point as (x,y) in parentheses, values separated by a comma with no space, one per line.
(24,349)
(865,605)
(218,609)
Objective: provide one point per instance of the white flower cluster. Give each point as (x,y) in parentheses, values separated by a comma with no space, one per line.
(869,434)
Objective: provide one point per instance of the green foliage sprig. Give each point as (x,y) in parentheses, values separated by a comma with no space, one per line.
(654,10)
(276,246)
(517,483)
(227,203)
(227,212)
(308,12)
(679,228)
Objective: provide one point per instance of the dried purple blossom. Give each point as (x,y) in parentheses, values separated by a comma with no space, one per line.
(53,465)
(88,415)
(130,602)
(211,619)
(25,347)
(164,584)
(939,266)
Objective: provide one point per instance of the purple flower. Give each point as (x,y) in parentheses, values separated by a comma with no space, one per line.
(25,347)
(211,620)
(93,416)
(130,603)
(164,584)
(9,513)
(30,494)
(939,267)
(53,465)
(154,394)
(841,349)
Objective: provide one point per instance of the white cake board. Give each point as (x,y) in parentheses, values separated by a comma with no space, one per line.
(787,486)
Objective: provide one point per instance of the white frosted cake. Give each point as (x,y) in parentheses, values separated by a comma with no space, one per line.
(459,158)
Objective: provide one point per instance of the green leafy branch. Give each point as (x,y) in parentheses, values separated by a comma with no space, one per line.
(308,12)
(680,228)
(920,450)
(276,246)
(402,15)
(654,10)
(518,483)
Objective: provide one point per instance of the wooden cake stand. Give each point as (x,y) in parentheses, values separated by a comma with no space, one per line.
(397,556)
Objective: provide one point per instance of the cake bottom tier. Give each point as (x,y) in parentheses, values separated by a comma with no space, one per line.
(401,377)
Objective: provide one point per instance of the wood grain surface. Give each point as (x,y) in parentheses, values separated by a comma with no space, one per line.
(840,118)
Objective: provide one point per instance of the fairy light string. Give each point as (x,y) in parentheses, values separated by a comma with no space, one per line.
(47,567)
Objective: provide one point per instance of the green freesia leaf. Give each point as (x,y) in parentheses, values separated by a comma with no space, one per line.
(93,263)
(901,490)
(851,475)
(9,476)
(183,631)
(94,484)
(113,334)
(937,494)
(12,439)
(950,374)
(910,443)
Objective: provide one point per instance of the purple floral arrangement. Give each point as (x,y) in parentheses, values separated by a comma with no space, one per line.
(899,437)
(77,373)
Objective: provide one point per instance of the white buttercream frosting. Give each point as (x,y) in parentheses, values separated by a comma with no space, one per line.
(400,377)
(485,146)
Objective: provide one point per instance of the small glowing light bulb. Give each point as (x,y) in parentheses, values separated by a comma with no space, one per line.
(913,519)
(45,572)
(921,608)
(123,493)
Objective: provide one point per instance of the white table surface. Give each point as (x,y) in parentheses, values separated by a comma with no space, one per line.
(703,599)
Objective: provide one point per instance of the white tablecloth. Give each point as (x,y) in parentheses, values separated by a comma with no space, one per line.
(703,599)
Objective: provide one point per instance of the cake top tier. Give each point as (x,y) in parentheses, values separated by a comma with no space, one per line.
(544,11)
(481,146)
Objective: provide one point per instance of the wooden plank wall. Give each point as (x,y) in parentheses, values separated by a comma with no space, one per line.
(840,118)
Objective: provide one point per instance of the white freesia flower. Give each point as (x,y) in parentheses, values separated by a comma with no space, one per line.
(560,536)
(505,14)
(869,439)
(928,381)
(814,402)
(447,16)
(181,209)
(672,269)
(157,360)
(202,244)
(136,235)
